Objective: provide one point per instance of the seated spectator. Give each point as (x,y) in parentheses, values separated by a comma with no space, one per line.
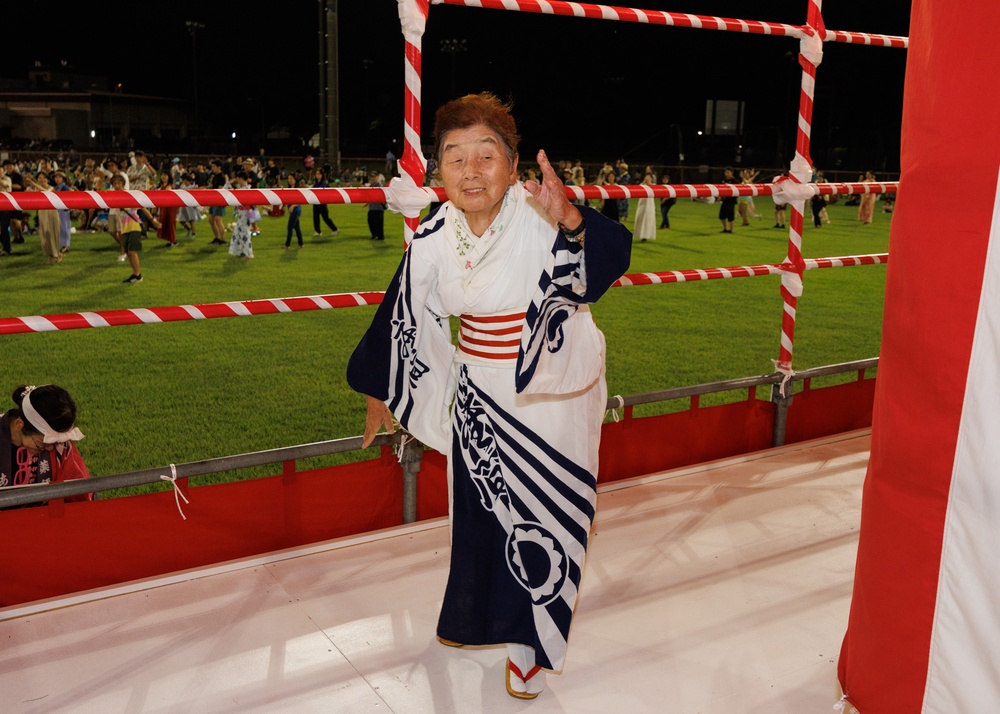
(36,439)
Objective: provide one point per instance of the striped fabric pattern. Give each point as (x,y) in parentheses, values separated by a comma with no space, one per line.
(554,302)
(490,337)
(537,508)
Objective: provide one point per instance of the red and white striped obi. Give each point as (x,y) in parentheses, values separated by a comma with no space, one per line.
(490,337)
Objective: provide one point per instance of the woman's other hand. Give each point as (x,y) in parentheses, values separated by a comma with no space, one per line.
(378,416)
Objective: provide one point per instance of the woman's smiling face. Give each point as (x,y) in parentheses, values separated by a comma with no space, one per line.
(476,172)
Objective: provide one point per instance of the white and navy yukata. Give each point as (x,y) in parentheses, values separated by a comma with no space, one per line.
(516,406)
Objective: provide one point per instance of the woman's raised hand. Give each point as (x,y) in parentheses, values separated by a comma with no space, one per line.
(551,194)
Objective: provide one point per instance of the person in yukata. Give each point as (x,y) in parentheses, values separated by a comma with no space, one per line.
(37,439)
(517,405)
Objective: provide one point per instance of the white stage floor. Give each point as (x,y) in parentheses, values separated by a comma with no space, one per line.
(717,589)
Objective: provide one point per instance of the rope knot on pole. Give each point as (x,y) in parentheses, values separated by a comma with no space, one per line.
(811,47)
(402,195)
(788,189)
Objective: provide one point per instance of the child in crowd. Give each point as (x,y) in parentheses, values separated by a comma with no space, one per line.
(294,215)
(114,215)
(187,216)
(241,242)
(254,214)
(130,225)
(131,237)
(37,439)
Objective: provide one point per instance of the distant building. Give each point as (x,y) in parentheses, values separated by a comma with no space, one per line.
(61,108)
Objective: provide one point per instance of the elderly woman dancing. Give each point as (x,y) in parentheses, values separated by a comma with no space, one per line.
(517,407)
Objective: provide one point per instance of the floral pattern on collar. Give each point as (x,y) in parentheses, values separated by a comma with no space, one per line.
(473,248)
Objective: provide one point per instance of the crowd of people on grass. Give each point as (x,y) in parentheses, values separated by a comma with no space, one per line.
(129,227)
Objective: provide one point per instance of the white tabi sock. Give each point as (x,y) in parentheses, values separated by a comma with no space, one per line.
(522,666)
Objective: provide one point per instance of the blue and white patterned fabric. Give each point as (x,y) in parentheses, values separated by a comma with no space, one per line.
(521,435)
(523,510)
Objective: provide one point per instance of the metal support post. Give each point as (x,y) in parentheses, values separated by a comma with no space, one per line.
(781,403)
(412,453)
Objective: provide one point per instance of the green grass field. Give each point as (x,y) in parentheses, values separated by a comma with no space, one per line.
(151,395)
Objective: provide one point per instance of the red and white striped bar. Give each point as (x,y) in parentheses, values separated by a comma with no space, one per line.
(142,316)
(43,200)
(675,19)
(847,261)
(745,271)
(864,38)
(39,200)
(720,190)
(413,21)
(810,56)
(177,313)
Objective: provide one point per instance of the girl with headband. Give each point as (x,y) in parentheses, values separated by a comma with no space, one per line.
(36,439)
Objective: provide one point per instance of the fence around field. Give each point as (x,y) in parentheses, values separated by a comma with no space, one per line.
(49,200)
(265,514)
(352,166)
(410,451)
(270,306)
(413,16)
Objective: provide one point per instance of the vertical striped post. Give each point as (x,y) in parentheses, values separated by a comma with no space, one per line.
(810,55)
(413,18)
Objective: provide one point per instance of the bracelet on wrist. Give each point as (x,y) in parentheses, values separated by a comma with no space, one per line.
(574,235)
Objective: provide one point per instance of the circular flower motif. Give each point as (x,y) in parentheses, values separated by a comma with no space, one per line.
(537,560)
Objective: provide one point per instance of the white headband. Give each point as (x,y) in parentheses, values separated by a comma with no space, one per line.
(51,435)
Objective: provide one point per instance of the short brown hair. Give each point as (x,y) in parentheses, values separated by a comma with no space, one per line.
(483,109)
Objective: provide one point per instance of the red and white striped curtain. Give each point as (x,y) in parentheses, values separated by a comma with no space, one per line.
(924,627)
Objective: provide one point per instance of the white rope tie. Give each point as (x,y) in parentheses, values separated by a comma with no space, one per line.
(178,494)
(406,439)
(787,375)
(841,705)
(620,401)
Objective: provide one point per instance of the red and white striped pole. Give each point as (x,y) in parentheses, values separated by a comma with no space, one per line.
(810,56)
(272,306)
(413,18)
(676,19)
(177,313)
(44,200)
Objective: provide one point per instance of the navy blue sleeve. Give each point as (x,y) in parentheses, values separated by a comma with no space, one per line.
(607,247)
(368,367)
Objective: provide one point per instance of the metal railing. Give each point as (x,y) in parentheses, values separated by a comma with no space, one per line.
(781,394)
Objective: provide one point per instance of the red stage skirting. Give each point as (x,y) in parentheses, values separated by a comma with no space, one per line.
(64,548)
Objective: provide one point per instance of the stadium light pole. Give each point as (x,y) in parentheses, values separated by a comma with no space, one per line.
(329,84)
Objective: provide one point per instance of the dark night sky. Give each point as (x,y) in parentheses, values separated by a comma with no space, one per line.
(586,89)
